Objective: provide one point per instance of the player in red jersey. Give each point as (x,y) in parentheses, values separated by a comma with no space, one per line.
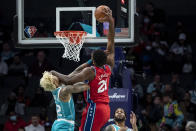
(97,111)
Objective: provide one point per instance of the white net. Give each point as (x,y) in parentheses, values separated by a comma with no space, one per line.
(72,42)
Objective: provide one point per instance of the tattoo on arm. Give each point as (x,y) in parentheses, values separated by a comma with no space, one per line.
(66,91)
(78,87)
(64,95)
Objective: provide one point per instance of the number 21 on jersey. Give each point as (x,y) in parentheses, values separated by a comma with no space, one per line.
(102,86)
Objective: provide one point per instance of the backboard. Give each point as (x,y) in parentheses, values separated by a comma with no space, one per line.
(37,20)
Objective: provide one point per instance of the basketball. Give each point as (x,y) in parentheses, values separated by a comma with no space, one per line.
(99,12)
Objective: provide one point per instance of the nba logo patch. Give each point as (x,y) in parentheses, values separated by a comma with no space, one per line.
(30,31)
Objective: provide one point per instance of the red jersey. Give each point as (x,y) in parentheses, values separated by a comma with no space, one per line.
(99,85)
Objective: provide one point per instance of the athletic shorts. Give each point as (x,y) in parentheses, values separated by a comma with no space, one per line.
(95,116)
(61,125)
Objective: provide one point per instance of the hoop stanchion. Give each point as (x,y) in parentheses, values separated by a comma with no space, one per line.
(72,42)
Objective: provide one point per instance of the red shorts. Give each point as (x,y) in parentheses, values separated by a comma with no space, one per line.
(95,116)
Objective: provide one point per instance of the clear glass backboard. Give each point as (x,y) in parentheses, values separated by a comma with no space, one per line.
(37,20)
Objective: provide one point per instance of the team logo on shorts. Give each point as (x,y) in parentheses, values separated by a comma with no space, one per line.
(30,31)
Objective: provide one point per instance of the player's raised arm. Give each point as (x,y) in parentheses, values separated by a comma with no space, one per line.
(133,121)
(110,45)
(76,88)
(86,74)
(81,67)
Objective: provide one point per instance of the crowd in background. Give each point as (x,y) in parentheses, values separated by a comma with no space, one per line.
(165,96)
(168,100)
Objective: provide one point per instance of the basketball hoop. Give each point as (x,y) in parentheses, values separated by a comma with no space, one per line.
(72,42)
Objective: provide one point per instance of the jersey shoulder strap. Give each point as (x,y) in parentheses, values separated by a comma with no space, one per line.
(116,128)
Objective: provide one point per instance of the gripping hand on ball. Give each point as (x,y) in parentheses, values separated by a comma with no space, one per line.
(108,15)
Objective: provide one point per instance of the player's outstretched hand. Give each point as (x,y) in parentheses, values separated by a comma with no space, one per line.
(108,15)
(133,119)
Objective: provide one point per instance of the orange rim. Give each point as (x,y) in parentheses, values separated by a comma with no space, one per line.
(74,38)
(68,32)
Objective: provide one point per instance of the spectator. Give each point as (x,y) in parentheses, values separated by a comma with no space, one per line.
(40,65)
(9,105)
(137,50)
(138,89)
(191,126)
(148,100)
(144,109)
(119,119)
(147,28)
(167,88)
(20,107)
(180,49)
(42,31)
(17,67)
(3,71)
(187,67)
(146,58)
(159,45)
(21,101)
(21,129)
(188,107)
(48,126)
(35,126)
(166,128)
(173,116)
(155,113)
(193,101)
(20,93)
(193,95)
(175,81)
(3,67)
(177,90)
(40,99)
(2,35)
(160,48)
(180,27)
(14,122)
(149,9)
(6,53)
(156,85)
(169,67)
(43,116)
(156,15)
